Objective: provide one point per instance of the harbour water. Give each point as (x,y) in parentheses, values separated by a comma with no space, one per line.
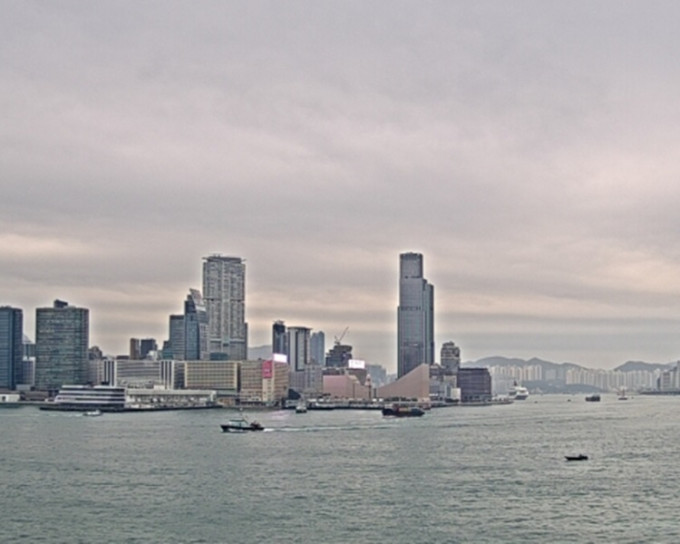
(478,474)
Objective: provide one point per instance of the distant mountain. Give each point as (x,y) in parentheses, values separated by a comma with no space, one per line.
(630,366)
(505,361)
(259,352)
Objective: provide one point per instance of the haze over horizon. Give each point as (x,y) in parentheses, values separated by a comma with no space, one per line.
(526,149)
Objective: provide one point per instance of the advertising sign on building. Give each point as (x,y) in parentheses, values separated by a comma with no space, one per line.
(267,369)
(356,363)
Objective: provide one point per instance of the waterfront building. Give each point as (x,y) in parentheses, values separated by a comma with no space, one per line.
(263,382)
(221,376)
(11,347)
(224,292)
(415,315)
(62,336)
(474,385)
(414,385)
(195,328)
(317,347)
(279,339)
(141,373)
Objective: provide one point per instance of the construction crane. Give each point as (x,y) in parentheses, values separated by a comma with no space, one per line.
(338,339)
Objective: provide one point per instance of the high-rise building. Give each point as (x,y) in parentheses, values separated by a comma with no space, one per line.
(176,337)
(279,340)
(450,357)
(317,347)
(298,348)
(135,349)
(61,342)
(11,347)
(195,328)
(415,315)
(224,292)
(147,346)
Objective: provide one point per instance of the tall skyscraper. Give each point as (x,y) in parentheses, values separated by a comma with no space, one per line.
(298,348)
(415,315)
(61,342)
(224,292)
(279,340)
(11,347)
(195,328)
(317,347)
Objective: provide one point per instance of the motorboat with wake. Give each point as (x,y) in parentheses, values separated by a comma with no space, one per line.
(241,425)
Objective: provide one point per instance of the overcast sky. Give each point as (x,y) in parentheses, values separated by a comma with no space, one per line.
(528,149)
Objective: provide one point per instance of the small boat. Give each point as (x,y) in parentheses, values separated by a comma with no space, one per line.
(301,407)
(241,425)
(622,394)
(593,398)
(92,413)
(399,410)
(579,457)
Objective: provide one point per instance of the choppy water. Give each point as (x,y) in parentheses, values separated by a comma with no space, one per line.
(487,474)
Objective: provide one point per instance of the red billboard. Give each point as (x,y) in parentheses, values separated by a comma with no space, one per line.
(267,369)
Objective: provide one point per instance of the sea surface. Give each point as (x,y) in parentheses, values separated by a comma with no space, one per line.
(475,474)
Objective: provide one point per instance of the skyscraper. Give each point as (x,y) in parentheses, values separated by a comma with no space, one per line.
(415,315)
(279,340)
(61,342)
(224,292)
(176,337)
(317,346)
(298,348)
(11,347)
(450,357)
(195,327)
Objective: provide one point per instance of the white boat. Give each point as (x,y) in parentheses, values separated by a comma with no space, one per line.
(301,407)
(92,413)
(518,392)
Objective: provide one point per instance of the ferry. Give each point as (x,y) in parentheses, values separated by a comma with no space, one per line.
(401,410)
(518,392)
(87,398)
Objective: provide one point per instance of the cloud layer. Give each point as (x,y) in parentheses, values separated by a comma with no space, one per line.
(527,149)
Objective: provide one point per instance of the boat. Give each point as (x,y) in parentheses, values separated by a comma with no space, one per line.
(579,457)
(92,413)
(518,392)
(593,398)
(400,410)
(241,425)
(301,407)
(622,394)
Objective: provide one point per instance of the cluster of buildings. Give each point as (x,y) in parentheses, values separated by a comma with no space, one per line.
(207,351)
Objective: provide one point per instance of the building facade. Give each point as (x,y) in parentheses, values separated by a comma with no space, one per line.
(224,292)
(415,315)
(279,340)
(61,342)
(317,347)
(450,357)
(195,328)
(11,347)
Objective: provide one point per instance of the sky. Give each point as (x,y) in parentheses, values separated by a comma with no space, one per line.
(527,149)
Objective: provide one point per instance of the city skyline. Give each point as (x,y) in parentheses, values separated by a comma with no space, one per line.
(527,150)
